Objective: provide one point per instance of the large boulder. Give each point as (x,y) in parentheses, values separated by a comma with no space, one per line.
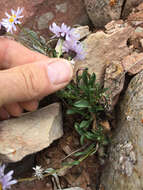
(102,11)
(124,169)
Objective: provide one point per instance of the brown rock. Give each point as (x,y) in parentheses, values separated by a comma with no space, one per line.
(129,5)
(30,133)
(58,11)
(103,48)
(136,17)
(30,7)
(133,63)
(101,11)
(114,82)
(39,14)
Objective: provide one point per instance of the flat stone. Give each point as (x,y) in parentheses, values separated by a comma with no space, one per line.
(83,31)
(30,133)
(133,63)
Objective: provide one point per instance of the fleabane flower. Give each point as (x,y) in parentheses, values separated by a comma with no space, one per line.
(59,31)
(12,20)
(6,179)
(65,32)
(75,49)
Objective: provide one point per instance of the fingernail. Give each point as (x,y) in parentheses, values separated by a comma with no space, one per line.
(60,72)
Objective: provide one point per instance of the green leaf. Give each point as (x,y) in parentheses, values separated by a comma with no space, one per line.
(39,49)
(85,77)
(84,124)
(80,131)
(82,104)
(82,139)
(71,111)
(90,135)
(71,163)
(92,79)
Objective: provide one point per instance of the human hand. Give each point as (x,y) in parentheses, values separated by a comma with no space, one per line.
(26,77)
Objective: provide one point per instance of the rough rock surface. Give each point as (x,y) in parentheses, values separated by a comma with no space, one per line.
(129,5)
(30,133)
(124,167)
(83,32)
(102,11)
(103,48)
(133,63)
(136,17)
(39,14)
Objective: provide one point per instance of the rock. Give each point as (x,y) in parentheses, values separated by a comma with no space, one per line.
(136,17)
(124,167)
(30,8)
(30,133)
(103,48)
(39,14)
(133,63)
(102,11)
(129,5)
(114,82)
(83,31)
(141,41)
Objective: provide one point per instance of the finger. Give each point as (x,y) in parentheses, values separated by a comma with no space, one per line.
(13,54)
(13,109)
(30,81)
(3,114)
(29,105)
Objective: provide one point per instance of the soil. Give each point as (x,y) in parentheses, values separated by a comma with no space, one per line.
(85,175)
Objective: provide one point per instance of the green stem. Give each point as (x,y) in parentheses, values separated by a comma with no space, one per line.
(28,34)
(60,48)
(58,170)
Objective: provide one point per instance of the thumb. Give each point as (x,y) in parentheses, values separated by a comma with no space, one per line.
(34,80)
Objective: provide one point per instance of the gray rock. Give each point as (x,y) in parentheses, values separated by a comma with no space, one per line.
(30,133)
(101,11)
(124,167)
(43,21)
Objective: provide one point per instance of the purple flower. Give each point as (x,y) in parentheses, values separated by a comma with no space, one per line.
(59,31)
(64,32)
(6,179)
(72,35)
(75,48)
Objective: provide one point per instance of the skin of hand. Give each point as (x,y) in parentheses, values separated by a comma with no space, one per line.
(27,76)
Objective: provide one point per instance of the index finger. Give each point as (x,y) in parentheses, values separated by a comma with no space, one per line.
(13,54)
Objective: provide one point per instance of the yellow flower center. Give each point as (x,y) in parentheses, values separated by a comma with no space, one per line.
(11,19)
(0,186)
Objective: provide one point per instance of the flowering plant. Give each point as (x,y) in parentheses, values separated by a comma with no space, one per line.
(6,179)
(85,97)
(67,40)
